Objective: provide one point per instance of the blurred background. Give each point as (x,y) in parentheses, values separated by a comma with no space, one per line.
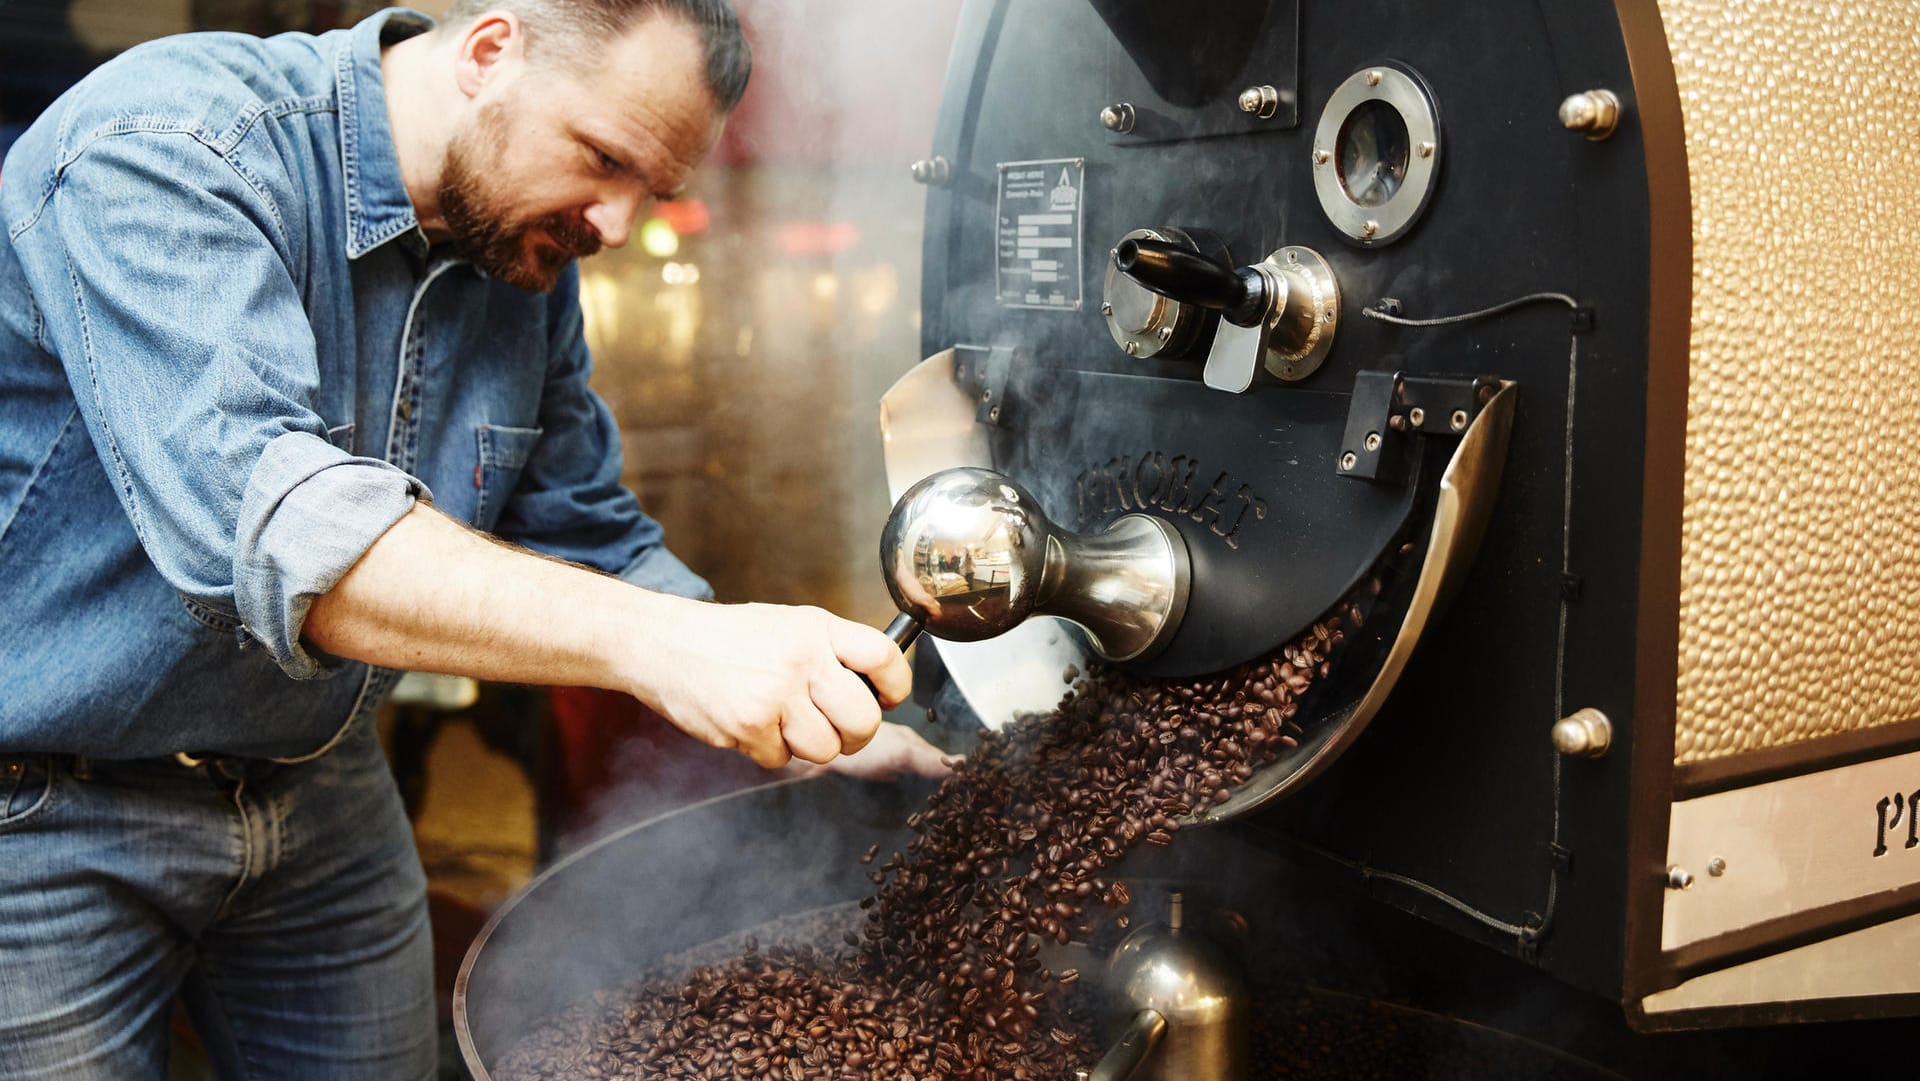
(743,339)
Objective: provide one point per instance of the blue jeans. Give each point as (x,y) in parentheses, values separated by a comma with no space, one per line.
(283,904)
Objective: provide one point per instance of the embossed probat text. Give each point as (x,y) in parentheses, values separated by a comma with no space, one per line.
(1155,480)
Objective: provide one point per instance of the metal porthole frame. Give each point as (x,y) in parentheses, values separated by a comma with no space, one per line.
(1407,94)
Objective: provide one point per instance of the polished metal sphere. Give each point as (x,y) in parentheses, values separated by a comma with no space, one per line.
(966,551)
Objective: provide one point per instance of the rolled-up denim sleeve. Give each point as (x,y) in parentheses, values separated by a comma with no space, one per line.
(569,502)
(186,343)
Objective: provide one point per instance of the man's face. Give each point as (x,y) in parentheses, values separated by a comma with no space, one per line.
(556,161)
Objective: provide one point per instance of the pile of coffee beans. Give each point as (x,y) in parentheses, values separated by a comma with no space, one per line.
(945,980)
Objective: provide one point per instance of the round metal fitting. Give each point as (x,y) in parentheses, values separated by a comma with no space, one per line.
(1458,421)
(1586,733)
(1373,441)
(1594,112)
(1716,867)
(1348,461)
(1416,416)
(1142,322)
(1262,101)
(1679,878)
(935,171)
(1376,153)
(1304,314)
(1118,118)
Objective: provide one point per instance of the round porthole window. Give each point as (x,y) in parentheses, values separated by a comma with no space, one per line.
(1376,153)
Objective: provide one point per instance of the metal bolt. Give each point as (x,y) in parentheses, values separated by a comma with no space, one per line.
(994,413)
(1679,878)
(1293,257)
(1165,334)
(1132,347)
(935,170)
(1425,150)
(1321,157)
(1369,227)
(986,395)
(1459,420)
(1416,416)
(1117,118)
(1348,461)
(1373,441)
(1595,112)
(1586,733)
(1106,308)
(1263,101)
(1716,867)
(1373,78)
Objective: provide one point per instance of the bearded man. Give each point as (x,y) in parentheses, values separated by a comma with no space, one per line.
(287,329)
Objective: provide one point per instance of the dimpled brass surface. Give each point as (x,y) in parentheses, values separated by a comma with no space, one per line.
(1800,559)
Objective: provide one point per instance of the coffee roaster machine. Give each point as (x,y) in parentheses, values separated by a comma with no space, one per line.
(1582,327)
(1581,309)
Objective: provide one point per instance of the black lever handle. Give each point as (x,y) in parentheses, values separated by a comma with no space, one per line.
(1239,294)
(903,630)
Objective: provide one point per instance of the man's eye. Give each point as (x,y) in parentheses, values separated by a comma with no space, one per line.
(606,163)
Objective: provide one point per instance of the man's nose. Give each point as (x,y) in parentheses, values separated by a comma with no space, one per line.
(612,217)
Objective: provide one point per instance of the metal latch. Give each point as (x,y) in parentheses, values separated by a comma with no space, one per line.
(1388,408)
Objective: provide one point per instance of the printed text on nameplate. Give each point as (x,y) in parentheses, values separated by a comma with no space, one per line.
(1038,235)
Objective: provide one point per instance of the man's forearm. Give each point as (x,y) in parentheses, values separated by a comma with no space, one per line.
(431,595)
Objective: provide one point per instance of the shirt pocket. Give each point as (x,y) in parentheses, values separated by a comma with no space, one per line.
(503,454)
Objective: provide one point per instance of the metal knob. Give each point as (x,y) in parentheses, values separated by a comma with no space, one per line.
(1587,733)
(971,555)
(1595,112)
(1239,294)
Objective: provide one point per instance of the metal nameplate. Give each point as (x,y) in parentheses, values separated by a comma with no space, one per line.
(1039,239)
(1772,850)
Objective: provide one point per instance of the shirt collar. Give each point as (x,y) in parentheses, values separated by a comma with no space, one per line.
(378,209)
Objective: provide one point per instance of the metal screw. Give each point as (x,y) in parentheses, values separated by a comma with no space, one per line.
(1348,461)
(1586,733)
(1458,420)
(1165,334)
(935,170)
(1133,348)
(1117,118)
(1373,441)
(1293,256)
(1105,308)
(1321,157)
(1679,878)
(1373,78)
(1425,150)
(1368,228)
(1716,867)
(994,413)
(1416,416)
(986,395)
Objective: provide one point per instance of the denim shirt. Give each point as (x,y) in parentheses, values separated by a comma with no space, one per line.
(228,363)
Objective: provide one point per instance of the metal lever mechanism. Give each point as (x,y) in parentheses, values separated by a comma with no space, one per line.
(1288,305)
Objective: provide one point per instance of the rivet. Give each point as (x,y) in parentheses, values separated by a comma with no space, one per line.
(1106,309)
(1716,867)
(1373,441)
(1165,334)
(1425,150)
(1368,228)
(1416,416)
(1458,420)
(1321,157)
(1348,460)
(1373,78)
(1133,348)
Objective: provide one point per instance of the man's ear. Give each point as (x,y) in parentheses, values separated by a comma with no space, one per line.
(496,42)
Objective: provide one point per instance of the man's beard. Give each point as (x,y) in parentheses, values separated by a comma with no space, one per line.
(484,232)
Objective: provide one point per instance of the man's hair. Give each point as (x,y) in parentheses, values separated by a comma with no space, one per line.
(574,31)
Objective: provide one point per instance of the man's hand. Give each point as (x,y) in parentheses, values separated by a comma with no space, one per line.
(895,751)
(771,681)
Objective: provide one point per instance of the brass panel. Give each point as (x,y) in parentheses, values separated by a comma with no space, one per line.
(1800,561)
(1871,962)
